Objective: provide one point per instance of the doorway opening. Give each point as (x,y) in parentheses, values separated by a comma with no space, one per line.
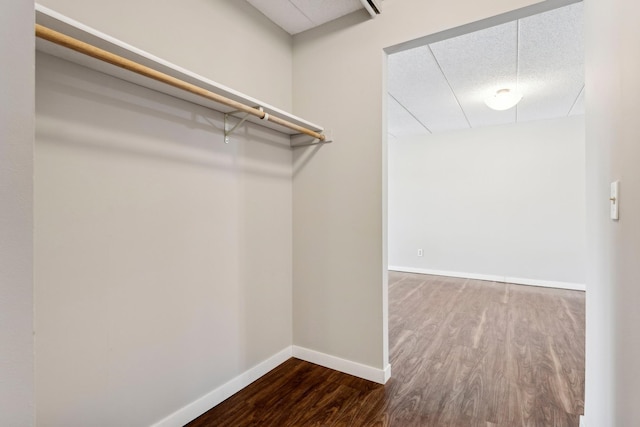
(486,232)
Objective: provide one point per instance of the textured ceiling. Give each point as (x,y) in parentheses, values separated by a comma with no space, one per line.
(442,86)
(295,16)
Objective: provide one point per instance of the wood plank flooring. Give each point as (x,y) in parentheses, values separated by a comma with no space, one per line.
(464,353)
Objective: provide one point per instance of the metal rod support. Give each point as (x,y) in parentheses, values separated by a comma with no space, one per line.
(227,133)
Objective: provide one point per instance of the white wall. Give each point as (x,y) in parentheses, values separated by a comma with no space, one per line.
(16,213)
(504,201)
(339,254)
(163,256)
(613,294)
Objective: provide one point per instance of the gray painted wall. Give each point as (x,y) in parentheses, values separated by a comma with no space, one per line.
(612,347)
(163,255)
(16,213)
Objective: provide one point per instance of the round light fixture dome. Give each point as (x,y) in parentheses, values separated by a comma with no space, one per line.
(503,99)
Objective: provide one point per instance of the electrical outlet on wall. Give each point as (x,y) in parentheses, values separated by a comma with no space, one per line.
(419,252)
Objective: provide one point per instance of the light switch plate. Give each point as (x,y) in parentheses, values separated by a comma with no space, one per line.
(614,199)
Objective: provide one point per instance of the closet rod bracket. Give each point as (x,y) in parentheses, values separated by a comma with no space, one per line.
(227,123)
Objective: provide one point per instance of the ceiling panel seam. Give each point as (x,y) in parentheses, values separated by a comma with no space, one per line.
(408,111)
(301,11)
(575,101)
(517,62)
(450,87)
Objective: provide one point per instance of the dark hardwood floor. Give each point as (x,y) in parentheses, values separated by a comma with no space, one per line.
(464,353)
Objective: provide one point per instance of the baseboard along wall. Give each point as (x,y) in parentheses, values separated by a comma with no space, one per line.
(493,278)
(380,376)
(198,407)
(201,405)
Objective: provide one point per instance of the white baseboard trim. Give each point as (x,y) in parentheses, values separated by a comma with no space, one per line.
(546,283)
(194,409)
(356,369)
(213,398)
(493,278)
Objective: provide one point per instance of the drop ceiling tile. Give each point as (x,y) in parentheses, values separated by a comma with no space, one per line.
(551,62)
(477,65)
(323,11)
(284,14)
(542,55)
(416,81)
(400,123)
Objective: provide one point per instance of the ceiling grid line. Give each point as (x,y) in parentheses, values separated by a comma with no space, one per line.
(517,62)
(450,87)
(575,101)
(301,11)
(410,113)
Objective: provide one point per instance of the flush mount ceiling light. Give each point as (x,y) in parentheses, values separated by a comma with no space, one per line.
(503,99)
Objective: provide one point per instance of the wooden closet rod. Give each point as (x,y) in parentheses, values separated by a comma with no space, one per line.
(95,52)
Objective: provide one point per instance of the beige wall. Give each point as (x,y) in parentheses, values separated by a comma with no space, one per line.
(613,294)
(339,280)
(338,197)
(163,256)
(228,41)
(16,213)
